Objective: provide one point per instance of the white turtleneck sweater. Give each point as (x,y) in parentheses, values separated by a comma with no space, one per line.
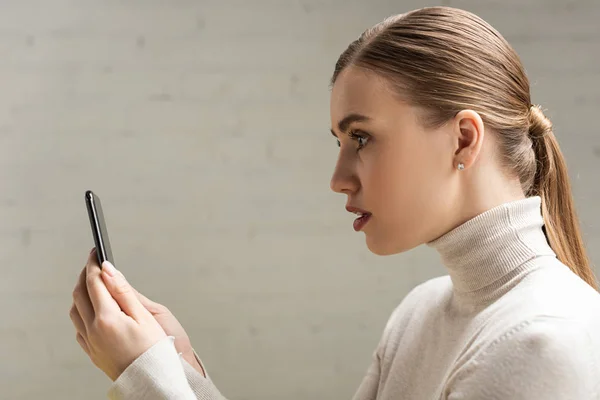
(509,321)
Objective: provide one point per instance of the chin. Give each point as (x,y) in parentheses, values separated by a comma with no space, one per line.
(381,247)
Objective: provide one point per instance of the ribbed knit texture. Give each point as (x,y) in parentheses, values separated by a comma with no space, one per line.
(494,245)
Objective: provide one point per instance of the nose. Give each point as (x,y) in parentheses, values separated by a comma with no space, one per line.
(344,179)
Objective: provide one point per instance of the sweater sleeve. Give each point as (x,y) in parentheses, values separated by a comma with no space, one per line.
(161,373)
(368,387)
(542,358)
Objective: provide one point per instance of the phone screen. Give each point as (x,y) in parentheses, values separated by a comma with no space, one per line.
(98,225)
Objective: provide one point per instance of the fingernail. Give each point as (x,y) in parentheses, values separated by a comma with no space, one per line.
(92,250)
(109,268)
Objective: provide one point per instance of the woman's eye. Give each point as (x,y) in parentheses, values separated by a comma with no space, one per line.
(360,138)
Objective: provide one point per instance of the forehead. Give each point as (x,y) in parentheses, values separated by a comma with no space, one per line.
(357,90)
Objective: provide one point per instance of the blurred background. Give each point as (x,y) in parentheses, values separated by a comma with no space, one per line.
(204,128)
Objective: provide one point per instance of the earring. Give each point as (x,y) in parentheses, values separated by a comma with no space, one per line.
(461,166)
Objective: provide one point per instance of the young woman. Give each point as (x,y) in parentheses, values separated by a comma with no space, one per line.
(439,144)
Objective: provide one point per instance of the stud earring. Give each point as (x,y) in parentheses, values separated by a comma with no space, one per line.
(461,166)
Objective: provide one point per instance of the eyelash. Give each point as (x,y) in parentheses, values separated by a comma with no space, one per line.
(354,135)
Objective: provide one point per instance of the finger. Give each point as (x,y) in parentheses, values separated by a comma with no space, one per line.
(99,295)
(77,320)
(82,302)
(122,292)
(152,306)
(81,340)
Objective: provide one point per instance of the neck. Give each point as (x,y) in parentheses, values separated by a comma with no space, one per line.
(493,245)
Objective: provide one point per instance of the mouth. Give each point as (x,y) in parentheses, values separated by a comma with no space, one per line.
(363,217)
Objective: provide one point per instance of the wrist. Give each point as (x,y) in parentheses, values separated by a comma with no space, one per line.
(193,360)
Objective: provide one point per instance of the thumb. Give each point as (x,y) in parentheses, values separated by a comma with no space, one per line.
(122,291)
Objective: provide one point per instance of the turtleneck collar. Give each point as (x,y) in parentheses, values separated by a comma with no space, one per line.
(493,244)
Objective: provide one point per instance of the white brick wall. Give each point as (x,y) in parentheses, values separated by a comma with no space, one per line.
(203,125)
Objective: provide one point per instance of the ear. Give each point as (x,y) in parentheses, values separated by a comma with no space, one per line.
(468,130)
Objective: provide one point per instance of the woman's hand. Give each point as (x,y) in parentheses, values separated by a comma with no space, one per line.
(172,327)
(113,327)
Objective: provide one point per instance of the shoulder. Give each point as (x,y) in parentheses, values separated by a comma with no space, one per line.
(548,303)
(542,357)
(543,336)
(413,306)
(423,296)
(556,290)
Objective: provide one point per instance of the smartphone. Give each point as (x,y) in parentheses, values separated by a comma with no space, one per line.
(94,209)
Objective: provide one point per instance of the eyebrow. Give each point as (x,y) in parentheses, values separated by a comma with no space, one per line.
(347,120)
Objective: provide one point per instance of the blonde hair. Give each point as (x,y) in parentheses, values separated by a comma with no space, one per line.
(443,60)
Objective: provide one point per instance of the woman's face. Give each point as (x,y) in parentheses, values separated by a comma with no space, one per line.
(389,165)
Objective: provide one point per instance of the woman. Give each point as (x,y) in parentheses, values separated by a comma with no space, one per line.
(439,144)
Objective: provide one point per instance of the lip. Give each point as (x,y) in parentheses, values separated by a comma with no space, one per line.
(355,210)
(361,221)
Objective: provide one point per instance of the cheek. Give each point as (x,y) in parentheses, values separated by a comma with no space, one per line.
(390,178)
(407,185)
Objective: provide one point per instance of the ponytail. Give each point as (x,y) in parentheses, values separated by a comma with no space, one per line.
(552,184)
